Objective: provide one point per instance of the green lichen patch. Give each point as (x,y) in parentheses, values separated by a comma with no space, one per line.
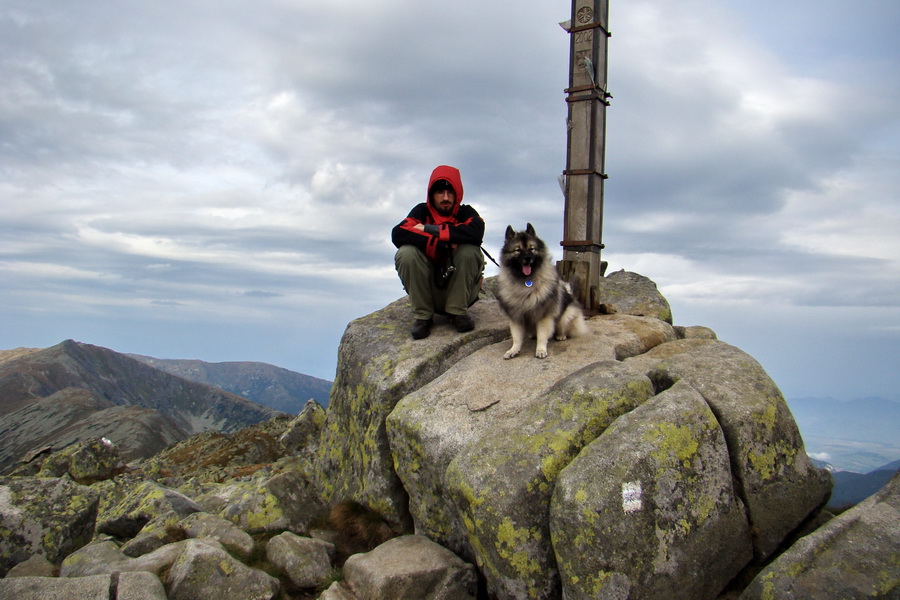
(672,442)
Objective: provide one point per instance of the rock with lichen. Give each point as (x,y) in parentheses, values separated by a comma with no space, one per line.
(50,517)
(377,366)
(630,293)
(146,501)
(205,571)
(768,459)
(301,436)
(196,569)
(160,531)
(649,507)
(284,502)
(480,449)
(855,555)
(202,525)
(306,562)
(410,567)
(87,461)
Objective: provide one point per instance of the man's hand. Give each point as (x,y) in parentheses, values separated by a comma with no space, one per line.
(419,227)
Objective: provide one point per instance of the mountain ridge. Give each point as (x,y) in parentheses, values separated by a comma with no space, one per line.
(263,383)
(52,396)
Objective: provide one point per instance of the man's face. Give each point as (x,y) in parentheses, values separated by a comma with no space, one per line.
(443,201)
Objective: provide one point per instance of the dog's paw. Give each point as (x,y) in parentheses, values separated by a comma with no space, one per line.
(541,353)
(560,338)
(511,354)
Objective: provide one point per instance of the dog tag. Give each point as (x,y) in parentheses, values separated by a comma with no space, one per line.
(529,283)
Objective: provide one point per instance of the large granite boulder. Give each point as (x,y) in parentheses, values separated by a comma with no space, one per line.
(306,562)
(86,462)
(649,507)
(479,448)
(36,566)
(478,445)
(302,434)
(146,501)
(234,539)
(205,571)
(854,556)
(193,569)
(169,527)
(284,501)
(632,294)
(50,517)
(410,567)
(775,477)
(378,364)
(103,557)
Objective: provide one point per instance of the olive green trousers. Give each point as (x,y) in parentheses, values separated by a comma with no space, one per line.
(417,274)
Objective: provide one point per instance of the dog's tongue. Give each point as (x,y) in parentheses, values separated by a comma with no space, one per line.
(526,270)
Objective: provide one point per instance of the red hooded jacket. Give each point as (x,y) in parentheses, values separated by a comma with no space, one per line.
(462,226)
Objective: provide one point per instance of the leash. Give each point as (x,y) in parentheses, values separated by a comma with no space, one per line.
(489,256)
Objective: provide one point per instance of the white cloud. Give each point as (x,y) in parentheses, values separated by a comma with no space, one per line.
(51,271)
(854,212)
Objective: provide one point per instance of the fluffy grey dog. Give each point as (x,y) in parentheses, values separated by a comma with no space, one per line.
(532,295)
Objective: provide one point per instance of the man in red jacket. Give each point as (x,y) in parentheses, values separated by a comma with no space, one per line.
(439,256)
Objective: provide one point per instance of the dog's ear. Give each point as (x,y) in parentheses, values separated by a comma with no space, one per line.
(529,229)
(510,233)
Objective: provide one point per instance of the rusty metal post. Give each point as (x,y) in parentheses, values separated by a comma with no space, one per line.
(587,99)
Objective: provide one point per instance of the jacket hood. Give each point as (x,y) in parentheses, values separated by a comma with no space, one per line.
(452,176)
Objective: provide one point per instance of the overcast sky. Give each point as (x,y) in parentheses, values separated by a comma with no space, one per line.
(218,180)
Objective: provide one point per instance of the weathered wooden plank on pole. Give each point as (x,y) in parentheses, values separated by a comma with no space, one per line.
(587,99)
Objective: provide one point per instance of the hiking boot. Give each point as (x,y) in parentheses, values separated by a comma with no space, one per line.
(421,328)
(463,323)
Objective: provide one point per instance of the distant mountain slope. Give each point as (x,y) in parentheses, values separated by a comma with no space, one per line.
(73,390)
(266,384)
(74,414)
(853,488)
(891,466)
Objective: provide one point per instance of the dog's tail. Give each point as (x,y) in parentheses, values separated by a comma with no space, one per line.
(572,319)
(577,326)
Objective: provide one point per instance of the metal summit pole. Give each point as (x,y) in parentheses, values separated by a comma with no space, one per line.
(587,99)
